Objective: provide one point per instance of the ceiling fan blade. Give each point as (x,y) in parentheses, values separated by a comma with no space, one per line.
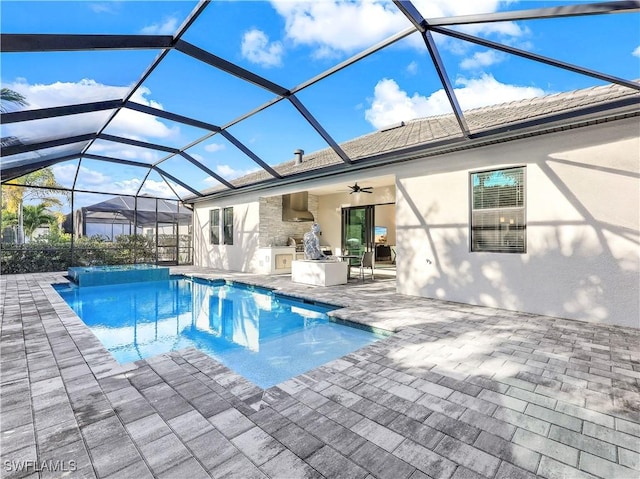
(359,189)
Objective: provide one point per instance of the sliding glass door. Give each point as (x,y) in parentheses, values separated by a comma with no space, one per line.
(357,230)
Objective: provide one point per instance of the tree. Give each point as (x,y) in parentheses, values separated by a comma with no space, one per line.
(15,194)
(35,216)
(10,96)
(9,219)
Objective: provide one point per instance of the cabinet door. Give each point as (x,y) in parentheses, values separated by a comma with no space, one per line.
(283,261)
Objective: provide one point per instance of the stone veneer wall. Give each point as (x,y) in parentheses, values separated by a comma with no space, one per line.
(275,232)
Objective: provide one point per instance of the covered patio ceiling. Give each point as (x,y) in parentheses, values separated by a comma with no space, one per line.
(195,57)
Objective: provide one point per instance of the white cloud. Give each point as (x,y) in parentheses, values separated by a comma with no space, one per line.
(442,8)
(137,125)
(65,173)
(412,68)
(213,147)
(120,150)
(150,187)
(447,8)
(66,93)
(167,27)
(228,172)
(91,178)
(334,27)
(391,104)
(129,187)
(636,52)
(480,60)
(159,188)
(103,7)
(257,49)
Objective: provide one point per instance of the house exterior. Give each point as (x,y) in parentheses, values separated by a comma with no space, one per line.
(544,220)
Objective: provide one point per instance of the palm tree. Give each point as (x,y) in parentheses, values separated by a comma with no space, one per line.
(9,225)
(10,96)
(16,192)
(35,216)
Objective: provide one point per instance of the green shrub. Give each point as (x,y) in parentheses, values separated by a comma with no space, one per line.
(53,253)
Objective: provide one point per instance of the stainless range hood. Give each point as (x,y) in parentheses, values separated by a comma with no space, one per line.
(295,207)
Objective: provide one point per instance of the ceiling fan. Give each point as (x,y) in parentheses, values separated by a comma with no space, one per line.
(359,189)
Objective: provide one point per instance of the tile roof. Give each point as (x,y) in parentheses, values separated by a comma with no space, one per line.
(427,131)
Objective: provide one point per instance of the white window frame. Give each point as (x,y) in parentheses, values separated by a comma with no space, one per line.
(500,229)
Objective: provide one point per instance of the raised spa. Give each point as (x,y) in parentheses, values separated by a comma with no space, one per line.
(118,274)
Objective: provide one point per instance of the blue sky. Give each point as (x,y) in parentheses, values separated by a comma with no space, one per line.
(287,43)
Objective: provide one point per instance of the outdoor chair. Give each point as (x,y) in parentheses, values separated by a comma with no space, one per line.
(366,262)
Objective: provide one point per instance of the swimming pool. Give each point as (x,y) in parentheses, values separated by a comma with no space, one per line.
(261,335)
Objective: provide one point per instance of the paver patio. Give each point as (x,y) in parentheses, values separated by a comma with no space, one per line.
(457,392)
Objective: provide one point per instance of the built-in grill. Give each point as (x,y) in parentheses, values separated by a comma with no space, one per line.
(297,241)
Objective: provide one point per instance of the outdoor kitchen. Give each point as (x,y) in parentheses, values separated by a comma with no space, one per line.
(283,222)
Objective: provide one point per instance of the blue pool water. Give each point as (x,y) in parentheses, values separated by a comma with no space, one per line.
(262,336)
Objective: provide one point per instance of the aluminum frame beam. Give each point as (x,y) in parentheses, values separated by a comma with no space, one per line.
(446,83)
(210,172)
(409,10)
(354,59)
(52,112)
(141,144)
(238,144)
(176,180)
(16,149)
(233,140)
(601,8)
(318,127)
(25,167)
(171,116)
(121,161)
(415,17)
(536,57)
(228,67)
(46,42)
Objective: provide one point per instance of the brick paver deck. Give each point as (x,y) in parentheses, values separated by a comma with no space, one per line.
(457,392)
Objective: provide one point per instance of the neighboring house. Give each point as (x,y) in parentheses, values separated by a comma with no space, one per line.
(166,223)
(543,220)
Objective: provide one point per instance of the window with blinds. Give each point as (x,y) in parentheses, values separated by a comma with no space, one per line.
(497,211)
(214,226)
(227,226)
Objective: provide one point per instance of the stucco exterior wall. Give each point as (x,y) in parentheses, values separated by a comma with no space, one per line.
(582,213)
(240,256)
(257,224)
